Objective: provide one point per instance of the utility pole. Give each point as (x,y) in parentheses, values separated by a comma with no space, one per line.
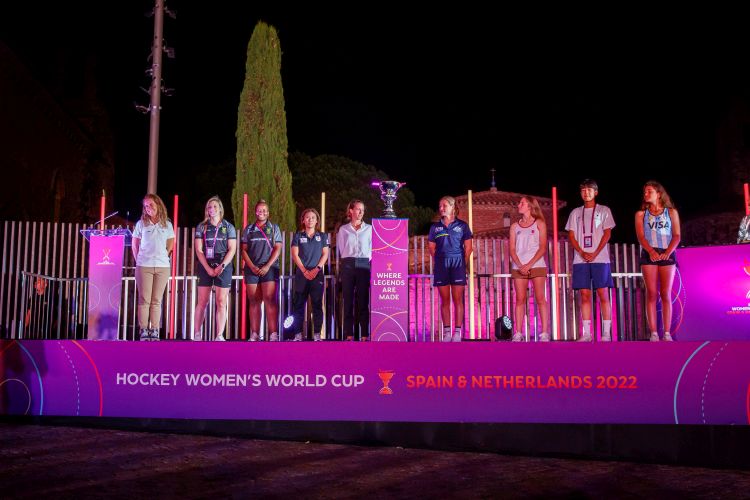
(155,91)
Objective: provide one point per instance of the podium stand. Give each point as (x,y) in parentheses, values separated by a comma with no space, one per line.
(389,282)
(105,280)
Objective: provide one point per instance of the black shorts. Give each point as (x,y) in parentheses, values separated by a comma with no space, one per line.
(645,260)
(253,279)
(224,280)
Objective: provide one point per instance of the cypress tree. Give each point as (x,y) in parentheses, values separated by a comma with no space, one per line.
(262,169)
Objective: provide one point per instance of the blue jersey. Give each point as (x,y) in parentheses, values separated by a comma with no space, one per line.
(449,240)
(657,229)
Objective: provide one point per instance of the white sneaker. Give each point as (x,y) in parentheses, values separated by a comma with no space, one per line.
(655,337)
(518,337)
(447,337)
(585,338)
(606,337)
(298,337)
(145,334)
(220,338)
(316,337)
(667,337)
(198,336)
(457,336)
(274,337)
(544,337)
(254,337)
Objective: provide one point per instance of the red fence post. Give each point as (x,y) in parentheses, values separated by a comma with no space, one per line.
(173,295)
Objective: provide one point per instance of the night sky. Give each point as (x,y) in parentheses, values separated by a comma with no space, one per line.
(435,99)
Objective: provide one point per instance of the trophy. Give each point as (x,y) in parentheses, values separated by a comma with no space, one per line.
(388,195)
(385,377)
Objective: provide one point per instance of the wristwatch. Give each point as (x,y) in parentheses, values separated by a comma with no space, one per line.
(320,267)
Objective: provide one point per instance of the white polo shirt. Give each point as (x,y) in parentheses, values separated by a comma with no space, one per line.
(584,223)
(152,251)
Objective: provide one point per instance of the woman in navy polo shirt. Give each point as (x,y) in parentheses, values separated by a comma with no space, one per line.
(215,245)
(450,245)
(309,254)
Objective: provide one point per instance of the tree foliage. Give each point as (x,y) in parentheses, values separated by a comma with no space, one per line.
(262,170)
(343,180)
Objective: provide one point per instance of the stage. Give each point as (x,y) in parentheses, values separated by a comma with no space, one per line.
(680,402)
(481,382)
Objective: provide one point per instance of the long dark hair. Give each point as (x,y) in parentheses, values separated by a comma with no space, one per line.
(666,201)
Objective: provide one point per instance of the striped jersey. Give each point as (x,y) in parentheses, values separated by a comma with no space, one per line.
(657,229)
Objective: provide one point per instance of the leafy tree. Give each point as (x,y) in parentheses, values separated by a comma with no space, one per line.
(343,180)
(262,170)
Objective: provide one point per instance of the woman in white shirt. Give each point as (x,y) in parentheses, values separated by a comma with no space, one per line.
(153,240)
(354,244)
(528,246)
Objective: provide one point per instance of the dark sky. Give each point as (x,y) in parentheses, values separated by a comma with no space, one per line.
(435,99)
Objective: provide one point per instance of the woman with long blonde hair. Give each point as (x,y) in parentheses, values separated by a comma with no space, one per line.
(450,245)
(215,245)
(528,246)
(153,241)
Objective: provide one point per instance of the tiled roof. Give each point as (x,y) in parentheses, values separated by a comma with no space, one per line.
(504,198)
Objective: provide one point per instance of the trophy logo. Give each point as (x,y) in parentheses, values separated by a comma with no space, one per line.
(385,377)
(389,266)
(388,195)
(105,258)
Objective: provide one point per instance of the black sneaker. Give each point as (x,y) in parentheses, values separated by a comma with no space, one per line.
(145,334)
(154,334)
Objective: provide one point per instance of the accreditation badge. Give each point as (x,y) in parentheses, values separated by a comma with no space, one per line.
(588,241)
(209,252)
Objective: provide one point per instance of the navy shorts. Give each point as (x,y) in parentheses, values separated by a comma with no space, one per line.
(587,274)
(645,260)
(449,271)
(253,279)
(224,280)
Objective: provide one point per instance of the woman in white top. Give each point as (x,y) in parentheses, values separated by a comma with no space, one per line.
(153,240)
(354,244)
(657,225)
(528,246)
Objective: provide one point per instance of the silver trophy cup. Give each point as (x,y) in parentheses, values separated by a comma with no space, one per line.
(388,195)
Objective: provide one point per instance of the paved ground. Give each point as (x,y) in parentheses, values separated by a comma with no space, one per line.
(67,462)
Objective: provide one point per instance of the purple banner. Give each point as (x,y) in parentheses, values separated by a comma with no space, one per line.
(105,285)
(389,288)
(559,382)
(712,287)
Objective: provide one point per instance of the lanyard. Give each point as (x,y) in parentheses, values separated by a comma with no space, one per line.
(593,216)
(264,233)
(216,233)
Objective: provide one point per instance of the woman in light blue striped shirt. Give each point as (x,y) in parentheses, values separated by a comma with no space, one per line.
(657,225)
